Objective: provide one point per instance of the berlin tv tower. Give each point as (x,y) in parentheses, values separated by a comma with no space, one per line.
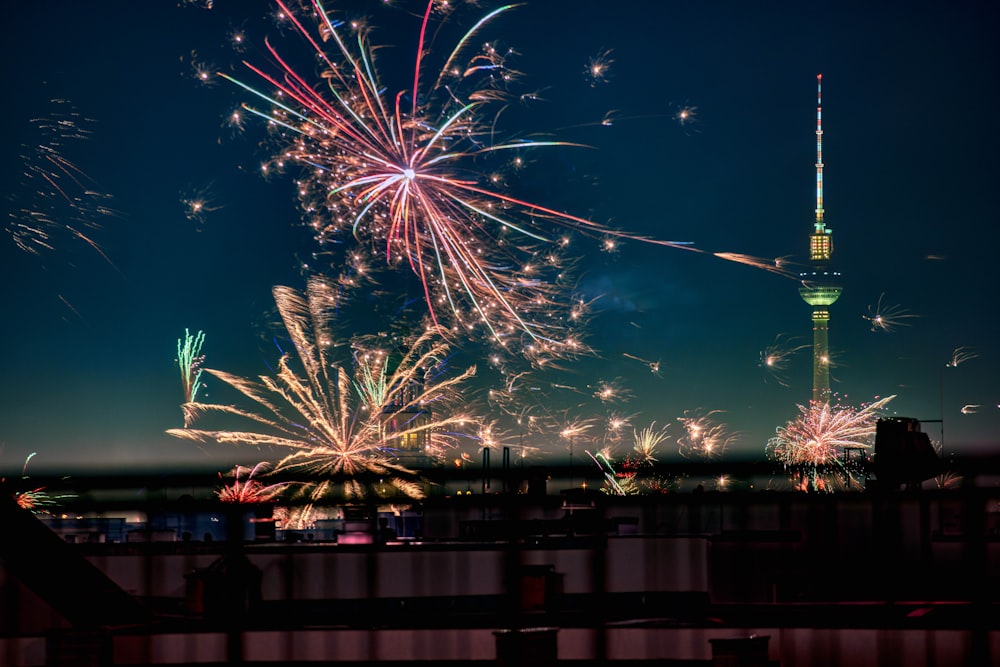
(820,284)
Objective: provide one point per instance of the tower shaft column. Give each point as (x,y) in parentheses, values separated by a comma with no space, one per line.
(821,355)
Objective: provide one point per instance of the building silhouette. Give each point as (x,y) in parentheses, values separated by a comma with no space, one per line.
(682,579)
(820,283)
(403,428)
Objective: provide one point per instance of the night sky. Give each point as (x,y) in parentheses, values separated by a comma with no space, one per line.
(910,149)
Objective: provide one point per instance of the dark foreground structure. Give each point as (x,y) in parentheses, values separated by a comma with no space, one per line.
(498,572)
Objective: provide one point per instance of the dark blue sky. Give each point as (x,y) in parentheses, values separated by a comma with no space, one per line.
(910,99)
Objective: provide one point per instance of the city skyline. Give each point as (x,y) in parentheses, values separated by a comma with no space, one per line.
(691,142)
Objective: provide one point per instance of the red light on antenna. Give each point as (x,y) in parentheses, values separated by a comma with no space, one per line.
(819,76)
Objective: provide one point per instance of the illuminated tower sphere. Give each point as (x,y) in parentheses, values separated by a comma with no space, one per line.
(820,284)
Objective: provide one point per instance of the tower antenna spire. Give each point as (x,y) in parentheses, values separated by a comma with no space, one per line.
(820,223)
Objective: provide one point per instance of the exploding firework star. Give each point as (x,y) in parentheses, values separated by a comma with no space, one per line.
(197,203)
(886,317)
(818,437)
(598,69)
(576,430)
(647,440)
(249,490)
(703,436)
(960,356)
(611,391)
(335,423)
(490,436)
(777,265)
(775,358)
(535,401)
(686,114)
(654,366)
(190,360)
(615,425)
(612,485)
(200,4)
(533,413)
(635,474)
(37,500)
(64,201)
(399,171)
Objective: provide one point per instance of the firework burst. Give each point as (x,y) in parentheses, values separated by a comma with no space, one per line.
(399,172)
(703,436)
(816,440)
(37,500)
(246,489)
(63,201)
(190,360)
(647,440)
(960,355)
(654,366)
(197,203)
(774,359)
(598,69)
(886,317)
(614,483)
(338,420)
(635,473)
(777,265)
(611,391)
(576,430)
(686,114)
(615,425)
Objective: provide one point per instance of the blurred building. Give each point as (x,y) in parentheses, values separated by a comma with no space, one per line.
(578,576)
